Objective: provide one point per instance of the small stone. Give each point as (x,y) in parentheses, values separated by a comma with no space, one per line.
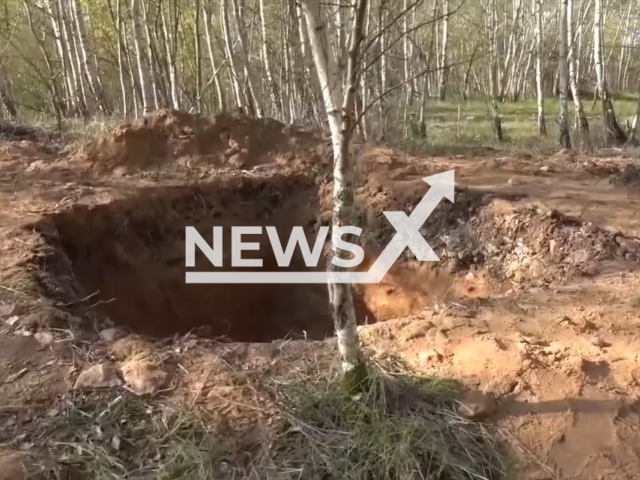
(430,355)
(115,443)
(11,321)
(104,375)
(144,377)
(476,405)
(518,277)
(536,268)
(545,168)
(44,338)
(112,334)
(514,181)
(553,246)
(600,342)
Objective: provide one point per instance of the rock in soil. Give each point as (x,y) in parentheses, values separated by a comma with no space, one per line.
(144,377)
(476,405)
(104,375)
(112,334)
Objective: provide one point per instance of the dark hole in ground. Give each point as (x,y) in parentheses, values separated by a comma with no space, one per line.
(132,252)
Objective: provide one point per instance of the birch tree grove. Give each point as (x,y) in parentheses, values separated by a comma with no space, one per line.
(93,58)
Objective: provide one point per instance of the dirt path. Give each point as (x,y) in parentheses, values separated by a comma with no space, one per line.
(535,302)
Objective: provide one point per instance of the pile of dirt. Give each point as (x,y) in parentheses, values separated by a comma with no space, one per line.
(521,242)
(170,138)
(528,243)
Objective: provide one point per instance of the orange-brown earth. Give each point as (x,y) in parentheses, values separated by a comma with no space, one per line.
(535,301)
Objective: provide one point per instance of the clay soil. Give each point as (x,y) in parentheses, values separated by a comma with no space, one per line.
(534,302)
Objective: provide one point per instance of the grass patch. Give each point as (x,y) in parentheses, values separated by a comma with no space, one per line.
(473,134)
(104,436)
(402,427)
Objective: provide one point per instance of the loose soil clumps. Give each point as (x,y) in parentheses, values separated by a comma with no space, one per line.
(174,139)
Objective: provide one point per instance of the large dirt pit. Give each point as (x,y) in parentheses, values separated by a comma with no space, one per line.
(128,256)
(535,301)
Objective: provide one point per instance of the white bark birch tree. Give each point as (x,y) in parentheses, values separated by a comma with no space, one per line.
(542,126)
(88,58)
(582,124)
(442,88)
(144,68)
(339,105)
(564,136)
(613,133)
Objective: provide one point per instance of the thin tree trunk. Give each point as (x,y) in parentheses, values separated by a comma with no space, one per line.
(235,82)
(564,136)
(212,59)
(88,58)
(123,87)
(272,85)
(140,41)
(582,125)
(148,49)
(172,47)
(442,89)
(52,10)
(198,49)
(340,113)
(250,80)
(613,133)
(69,32)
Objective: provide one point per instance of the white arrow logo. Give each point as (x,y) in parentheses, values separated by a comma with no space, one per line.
(407,235)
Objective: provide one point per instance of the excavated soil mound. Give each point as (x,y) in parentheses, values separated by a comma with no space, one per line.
(510,240)
(128,258)
(172,138)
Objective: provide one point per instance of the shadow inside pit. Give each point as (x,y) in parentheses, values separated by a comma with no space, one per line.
(129,255)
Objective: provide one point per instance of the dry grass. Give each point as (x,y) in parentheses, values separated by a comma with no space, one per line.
(402,427)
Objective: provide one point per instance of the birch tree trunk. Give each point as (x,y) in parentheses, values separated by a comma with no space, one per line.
(564,136)
(68,32)
(212,59)
(172,48)
(123,87)
(252,84)
(233,70)
(272,85)
(148,52)
(88,58)
(51,7)
(144,69)
(542,126)
(198,49)
(613,133)
(339,105)
(442,89)
(582,125)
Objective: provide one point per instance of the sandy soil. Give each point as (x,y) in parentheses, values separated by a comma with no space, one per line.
(535,301)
